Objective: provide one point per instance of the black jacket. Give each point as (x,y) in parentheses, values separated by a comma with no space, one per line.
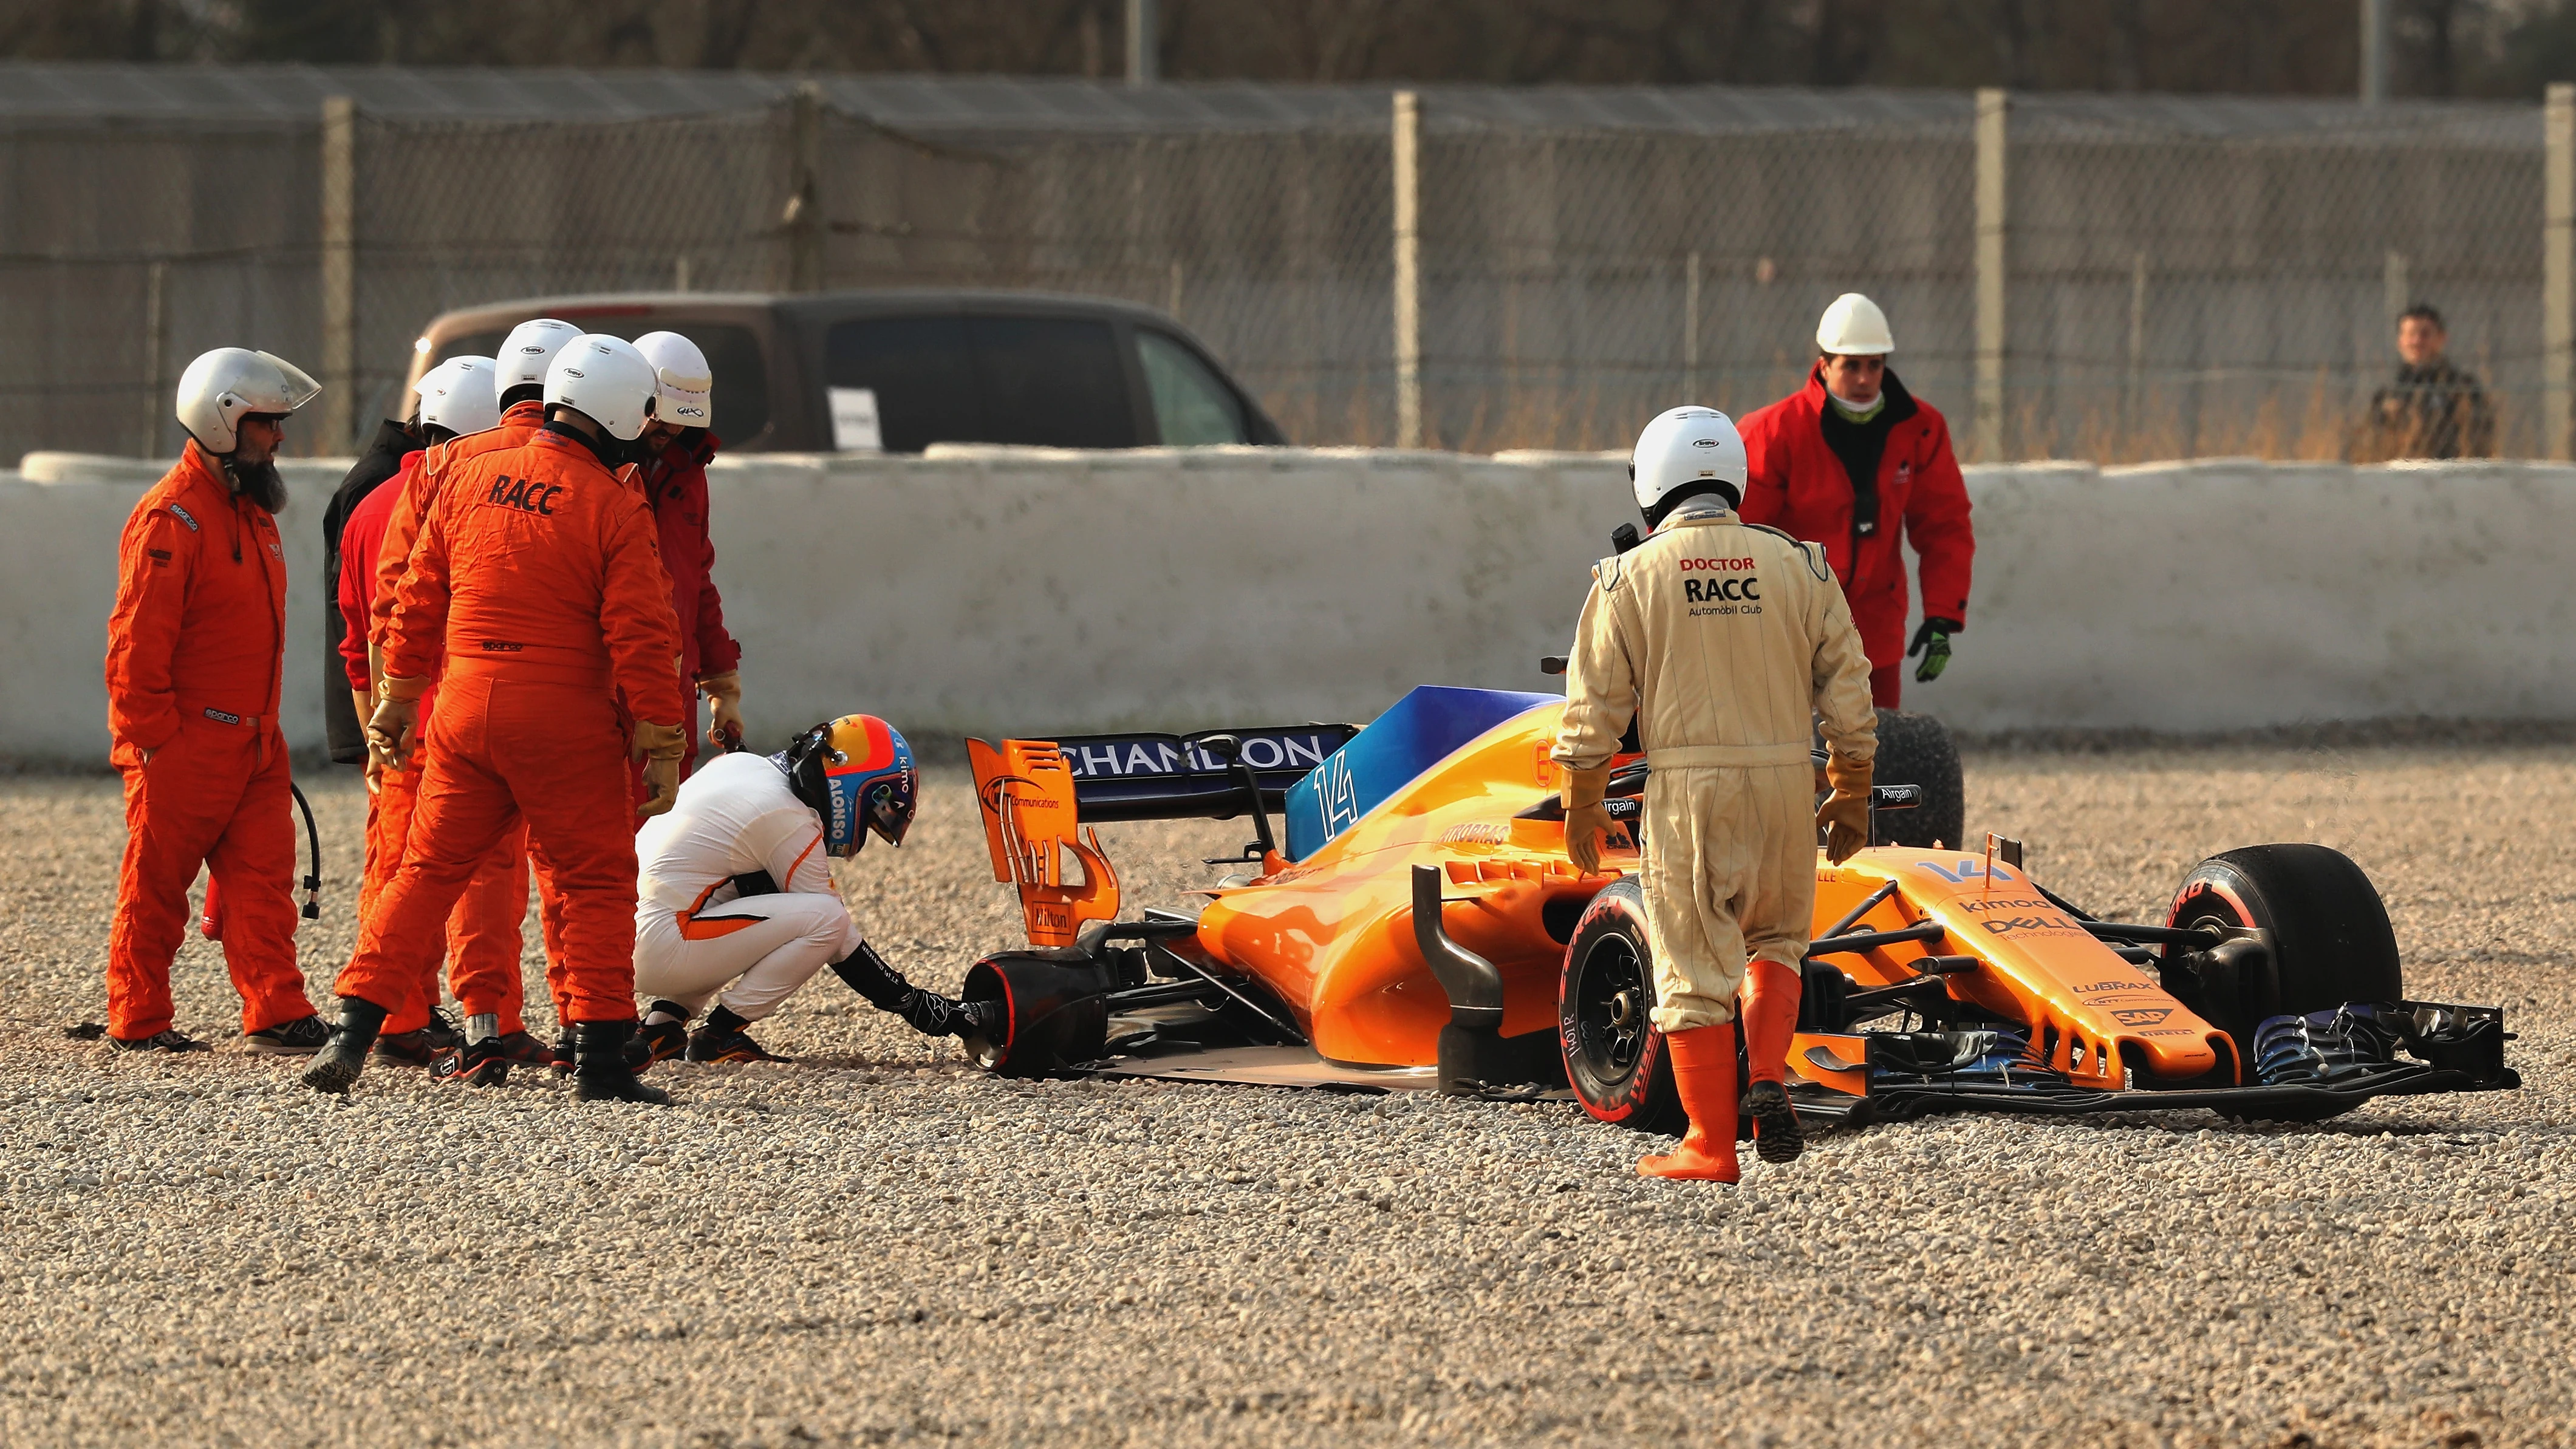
(381,461)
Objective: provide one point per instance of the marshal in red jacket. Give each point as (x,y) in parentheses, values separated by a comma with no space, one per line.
(1799,485)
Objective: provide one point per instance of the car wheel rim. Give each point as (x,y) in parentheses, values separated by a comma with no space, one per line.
(1612,1006)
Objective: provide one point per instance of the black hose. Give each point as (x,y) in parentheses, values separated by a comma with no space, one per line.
(312,856)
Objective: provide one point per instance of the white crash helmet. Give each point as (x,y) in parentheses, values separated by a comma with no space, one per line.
(606,380)
(1854,327)
(683,385)
(458,395)
(223,385)
(1683,449)
(529,351)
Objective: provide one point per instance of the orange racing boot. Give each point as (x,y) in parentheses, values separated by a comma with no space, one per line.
(1704,1074)
(1770,1014)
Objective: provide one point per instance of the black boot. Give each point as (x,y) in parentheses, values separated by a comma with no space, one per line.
(335,1068)
(600,1071)
(928,1012)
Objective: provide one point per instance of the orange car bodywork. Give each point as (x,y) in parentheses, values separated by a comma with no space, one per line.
(1332,936)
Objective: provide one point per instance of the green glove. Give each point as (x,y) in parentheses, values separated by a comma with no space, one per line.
(1932,641)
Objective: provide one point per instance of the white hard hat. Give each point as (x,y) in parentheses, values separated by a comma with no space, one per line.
(529,350)
(606,380)
(1854,327)
(683,383)
(1686,448)
(458,395)
(222,385)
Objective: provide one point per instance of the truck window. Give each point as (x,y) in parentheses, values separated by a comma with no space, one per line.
(1192,408)
(1047,381)
(733,354)
(922,372)
(1053,382)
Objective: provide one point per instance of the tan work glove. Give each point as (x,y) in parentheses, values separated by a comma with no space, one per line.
(389,730)
(366,706)
(659,746)
(1585,817)
(724,708)
(1845,814)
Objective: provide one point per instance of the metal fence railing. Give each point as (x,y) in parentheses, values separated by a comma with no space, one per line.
(2180,277)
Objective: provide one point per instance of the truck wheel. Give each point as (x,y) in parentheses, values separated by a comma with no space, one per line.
(2329,933)
(1614,1057)
(1914,749)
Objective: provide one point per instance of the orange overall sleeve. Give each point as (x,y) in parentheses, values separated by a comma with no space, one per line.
(416,636)
(155,560)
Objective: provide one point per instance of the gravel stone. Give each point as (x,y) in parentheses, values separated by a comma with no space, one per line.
(879,1245)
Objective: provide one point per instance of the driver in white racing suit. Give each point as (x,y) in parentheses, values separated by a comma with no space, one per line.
(734,897)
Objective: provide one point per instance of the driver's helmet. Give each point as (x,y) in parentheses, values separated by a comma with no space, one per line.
(857,773)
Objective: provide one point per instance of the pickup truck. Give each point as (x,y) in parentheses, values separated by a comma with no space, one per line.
(896,371)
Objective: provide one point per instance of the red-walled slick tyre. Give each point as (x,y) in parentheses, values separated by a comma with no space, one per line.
(1614,1058)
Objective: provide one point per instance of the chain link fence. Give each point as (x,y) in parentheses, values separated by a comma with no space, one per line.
(2183,277)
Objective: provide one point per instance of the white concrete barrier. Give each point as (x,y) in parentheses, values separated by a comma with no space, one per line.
(989,589)
(60,516)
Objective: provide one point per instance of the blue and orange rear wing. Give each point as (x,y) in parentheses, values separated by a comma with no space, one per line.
(1168,777)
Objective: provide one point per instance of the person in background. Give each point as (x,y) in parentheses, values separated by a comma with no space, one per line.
(457,398)
(195,656)
(677,447)
(394,444)
(2433,409)
(1858,464)
(535,587)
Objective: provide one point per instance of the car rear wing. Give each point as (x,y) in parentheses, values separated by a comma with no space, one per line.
(1039,799)
(1175,777)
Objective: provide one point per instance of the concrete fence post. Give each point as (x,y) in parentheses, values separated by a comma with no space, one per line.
(2374,52)
(339,422)
(1690,329)
(1993,107)
(157,405)
(1144,43)
(805,223)
(1408,269)
(2557,268)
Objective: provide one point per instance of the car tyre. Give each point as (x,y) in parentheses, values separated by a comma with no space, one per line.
(1916,749)
(2329,933)
(1615,1059)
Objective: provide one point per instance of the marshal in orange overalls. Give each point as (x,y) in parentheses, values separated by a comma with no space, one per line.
(194,654)
(535,576)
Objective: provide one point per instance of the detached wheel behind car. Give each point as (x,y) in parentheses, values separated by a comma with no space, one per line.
(1614,1057)
(1915,749)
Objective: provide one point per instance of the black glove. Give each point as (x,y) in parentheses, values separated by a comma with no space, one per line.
(928,1012)
(1932,641)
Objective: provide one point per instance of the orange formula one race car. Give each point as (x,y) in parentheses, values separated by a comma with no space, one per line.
(1419,926)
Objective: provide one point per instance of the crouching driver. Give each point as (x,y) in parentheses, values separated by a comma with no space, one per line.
(734,897)
(1719,637)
